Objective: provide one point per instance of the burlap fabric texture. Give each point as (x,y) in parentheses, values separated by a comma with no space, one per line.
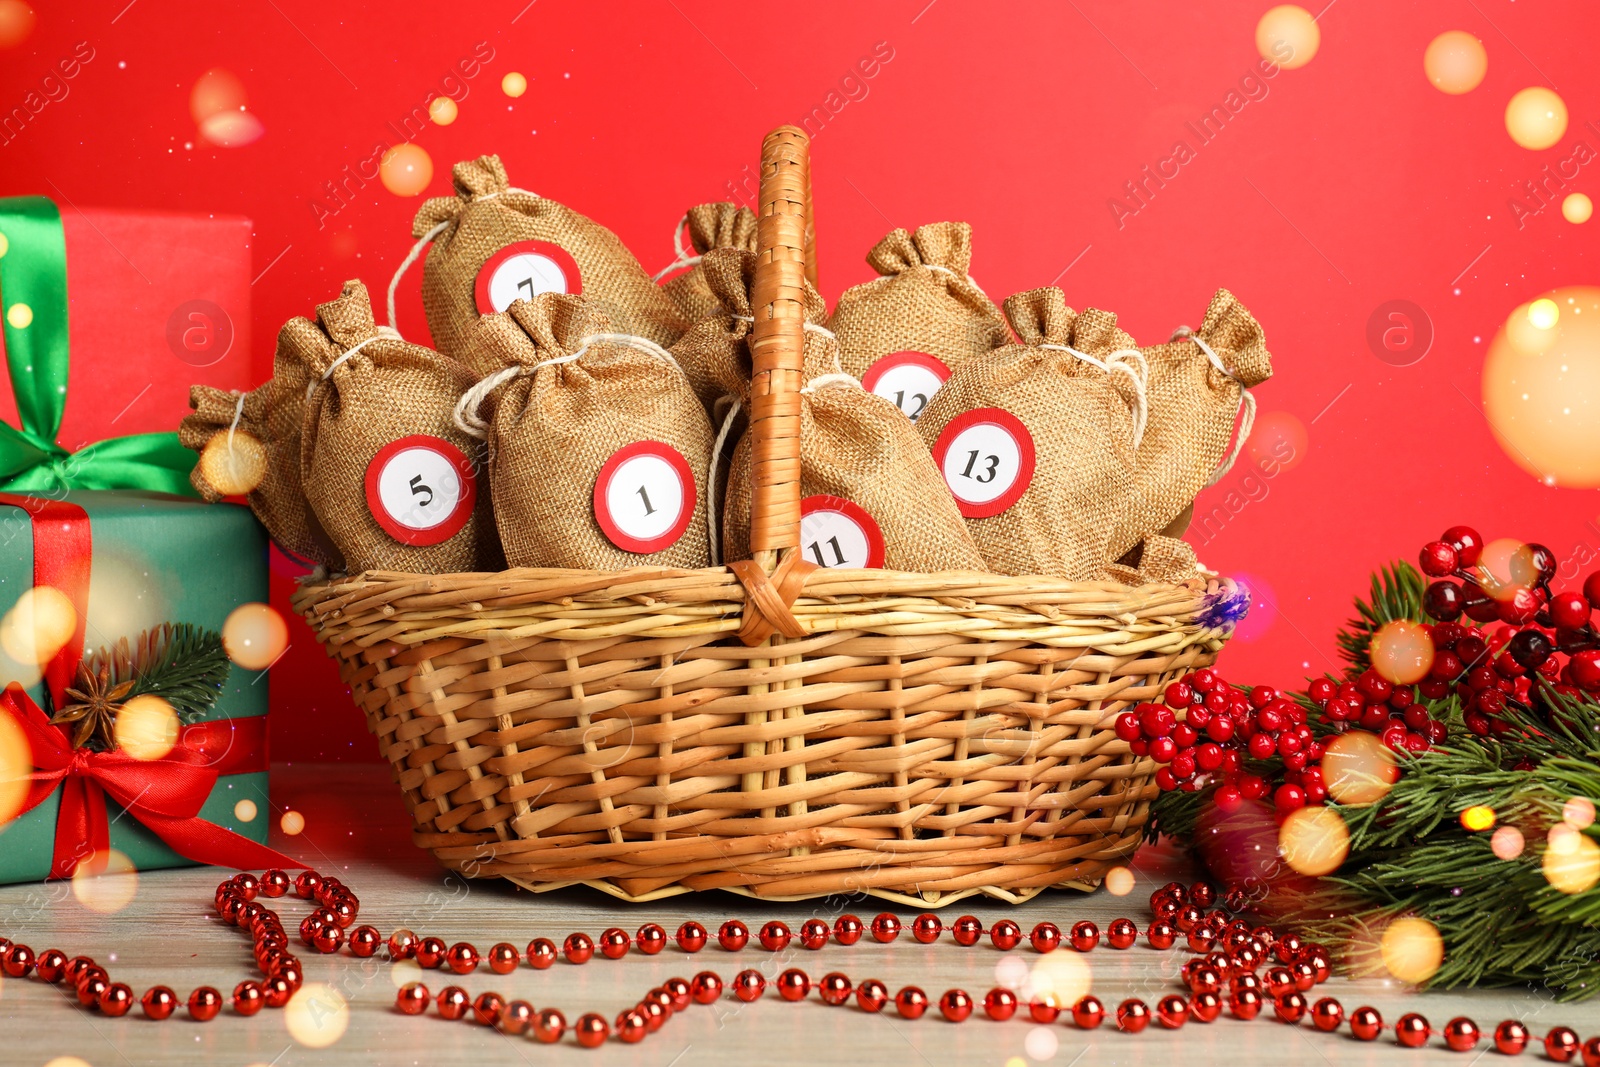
(710,226)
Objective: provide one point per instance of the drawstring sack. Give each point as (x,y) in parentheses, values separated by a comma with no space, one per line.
(710,226)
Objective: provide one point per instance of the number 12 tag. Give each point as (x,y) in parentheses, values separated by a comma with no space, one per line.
(907,379)
(986,457)
(421,489)
(644,497)
(835,532)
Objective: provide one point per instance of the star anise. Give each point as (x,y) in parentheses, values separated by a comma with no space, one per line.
(94,701)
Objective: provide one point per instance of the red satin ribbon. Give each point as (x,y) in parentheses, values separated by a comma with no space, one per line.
(62,551)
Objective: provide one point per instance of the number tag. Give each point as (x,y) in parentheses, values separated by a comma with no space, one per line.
(421,489)
(835,532)
(907,379)
(986,457)
(523,270)
(644,497)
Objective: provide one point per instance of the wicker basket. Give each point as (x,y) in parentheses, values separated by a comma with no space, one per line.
(767,727)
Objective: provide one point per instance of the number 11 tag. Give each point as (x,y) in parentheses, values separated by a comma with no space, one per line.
(835,532)
(421,489)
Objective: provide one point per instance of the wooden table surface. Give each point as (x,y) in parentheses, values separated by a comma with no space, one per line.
(355,827)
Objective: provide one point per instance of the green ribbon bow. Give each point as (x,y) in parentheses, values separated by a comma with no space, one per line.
(33,292)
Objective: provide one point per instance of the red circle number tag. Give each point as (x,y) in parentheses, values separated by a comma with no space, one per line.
(986,457)
(522,271)
(835,532)
(644,497)
(906,379)
(421,489)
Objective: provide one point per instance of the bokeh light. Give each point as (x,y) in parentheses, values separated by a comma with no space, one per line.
(1041,1044)
(218,105)
(1536,117)
(234,462)
(38,625)
(246,810)
(406,169)
(1577,208)
(317,1015)
(1541,389)
(1119,881)
(254,635)
(404,972)
(1314,840)
(146,728)
(105,882)
(1477,818)
(1543,314)
(1505,566)
(1011,972)
(1455,62)
(1571,861)
(16,763)
(1288,36)
(1401,651)
(443,110)
(67,1061)
(16,22)
(1359,768)
(1058,978)
(1578,812)
(232,129)
(1015,1061)
(514,84)
(1412,950)
(292,823)
(1507,843)
(1277,443)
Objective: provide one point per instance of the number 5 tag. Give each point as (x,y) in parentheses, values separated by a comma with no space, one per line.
(986,457)
(421,489)
(644,497)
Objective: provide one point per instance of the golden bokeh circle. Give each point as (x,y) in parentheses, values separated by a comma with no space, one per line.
(1507,843)
(105,882)
(1455,62)
(292,823)
(1578,812)
(20,316)
(246,810)
(1412,950)
(1577,208)
(16,22)
(1477,818)
(41,621)
(1573,865)
(514,84)
(1288,36)
(234,462)
(443,110)
(317,1015)
(146,728)
(1536,117)
(1358,768)
(1401,651)
(406,169)
(16,764)
(254,636)
(1059,978)
(1314,840)
(1119,881)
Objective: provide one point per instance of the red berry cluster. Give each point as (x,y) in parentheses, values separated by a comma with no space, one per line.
(1223,726)
(1376,704)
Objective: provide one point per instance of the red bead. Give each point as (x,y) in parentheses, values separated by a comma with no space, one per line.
(1132,1016)
(1305,976)
(1122,934)
(1203,979)
(1088,1013)
(1510,1038)
(51,965)
(247,885)
(966,931)
(630,1026)
(733,935)
(956,1005)
(1005,935)
(578,949)
(277,991)
(1202,937)
(1591,1052)
(872,995)
(248,998)
(1044,1011)
(680,991)
(885,928)
(926,928)
(834,989)
(487,1008)
(691,937)
(1000,1004)
(453,1002)
(90,988)
(430,953)
(204,1003)
(1172,1011)
(549,1025)
(327,939)
(1291,1007)
(774,936)
(19,961)
(503,958)
(814,934)
(1411,1030)
(665,1000)
(516,1018)
(591,1030)
(274,883)
(364,941)
(1161,935)
(911,1002)
(1461,1034)
(1187,918)
(1046,937)
(115,1000)
(412,998)
(651,939)
(1327,1014)
(1561,1044)
(793,984)
(1279,980)
(402,945)
(541,953)
(847,929)
(1085,936)
(614,943)
(461,958)
(1205,1007)
(748,985)
(1244,1003)
(307,884)
(705,987)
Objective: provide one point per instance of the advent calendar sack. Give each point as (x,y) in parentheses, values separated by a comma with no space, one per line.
(869,494)
(1037,440)
(388,474)
(710,226)
(1199,385)
(598,448)
(902,334)
(492,244)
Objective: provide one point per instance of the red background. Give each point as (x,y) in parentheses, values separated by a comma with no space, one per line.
(1351,183)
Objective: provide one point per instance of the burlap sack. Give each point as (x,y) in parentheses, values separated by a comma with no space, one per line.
(393,481)
(854,447)
(573,393)
(1082,422)
(1156,559)
(710,226)
(1194,403)
(924,303)
(473,230)
(271,416)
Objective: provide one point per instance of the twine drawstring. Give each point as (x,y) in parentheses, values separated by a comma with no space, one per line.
(1246,412)
(423,241)
(385,333)
(713,526)
(812,326)
(684,257)
(956,274)
(1127,361)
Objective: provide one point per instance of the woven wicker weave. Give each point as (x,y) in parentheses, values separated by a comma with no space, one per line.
(768,727)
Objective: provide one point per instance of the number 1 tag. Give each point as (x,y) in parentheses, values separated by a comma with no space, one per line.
(421,489)
(986,457)
(521,271)
(835,532)
(908,379)
(644,497)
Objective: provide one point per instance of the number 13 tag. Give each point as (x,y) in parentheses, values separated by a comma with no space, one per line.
(986,457)
(421,489)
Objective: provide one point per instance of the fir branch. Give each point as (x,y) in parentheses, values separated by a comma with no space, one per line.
(1396,593)
(184,665)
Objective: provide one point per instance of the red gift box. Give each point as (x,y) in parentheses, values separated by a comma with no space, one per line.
(157,302)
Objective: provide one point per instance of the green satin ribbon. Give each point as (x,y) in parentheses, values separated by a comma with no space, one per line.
(33,276)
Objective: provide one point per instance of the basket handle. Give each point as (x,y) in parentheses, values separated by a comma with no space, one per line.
(777,344)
